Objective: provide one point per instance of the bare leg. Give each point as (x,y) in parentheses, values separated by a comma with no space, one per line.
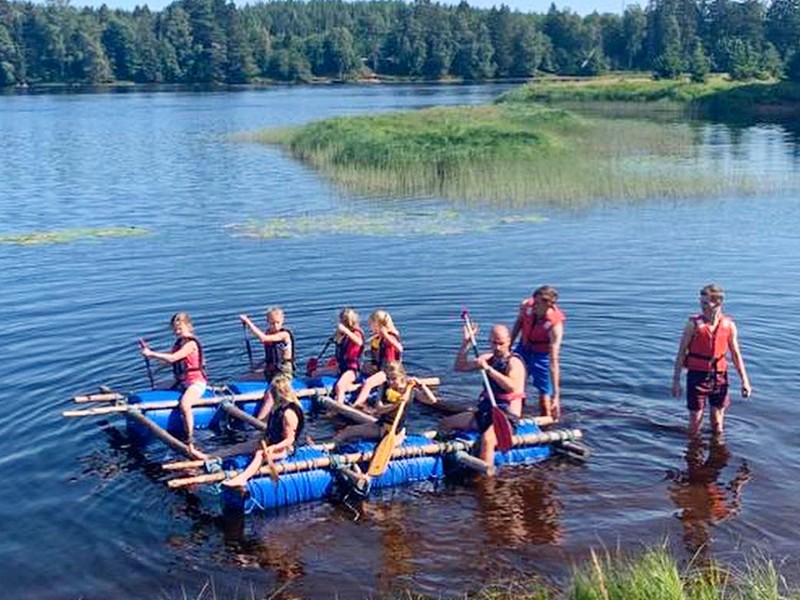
(695,422)
(546,408)
(488,444)
(376,379)
(266,406)
(717,420)
(242,478)
(362,431)
(461,422)
(344,385)
(190,396)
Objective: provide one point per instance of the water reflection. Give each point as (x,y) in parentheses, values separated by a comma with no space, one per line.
(702,496)
(519,509)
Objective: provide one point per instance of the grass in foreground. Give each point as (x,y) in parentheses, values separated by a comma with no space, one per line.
(509,153)
(653,575)
(69,235)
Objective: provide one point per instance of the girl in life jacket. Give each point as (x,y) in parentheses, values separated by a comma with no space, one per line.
(186,358)
(540,327)
(278,352)
(349,341)
(385,348)
(397,389)
(284,426)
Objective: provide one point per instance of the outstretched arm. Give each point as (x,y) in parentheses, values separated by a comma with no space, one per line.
(263,336)
(170,357)
(556,335)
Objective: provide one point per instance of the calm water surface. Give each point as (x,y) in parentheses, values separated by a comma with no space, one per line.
(85,515)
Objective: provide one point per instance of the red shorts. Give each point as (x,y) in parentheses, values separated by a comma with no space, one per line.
(702,388)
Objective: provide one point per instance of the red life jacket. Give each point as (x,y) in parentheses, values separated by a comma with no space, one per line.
(348,353)
(709,345)
(382,352)
(536,330)
(192,368)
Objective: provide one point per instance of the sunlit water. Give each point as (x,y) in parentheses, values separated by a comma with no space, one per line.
(85,515)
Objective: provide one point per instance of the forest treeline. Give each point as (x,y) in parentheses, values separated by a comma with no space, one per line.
(211,41)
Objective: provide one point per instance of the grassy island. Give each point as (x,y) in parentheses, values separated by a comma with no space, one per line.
(512,153)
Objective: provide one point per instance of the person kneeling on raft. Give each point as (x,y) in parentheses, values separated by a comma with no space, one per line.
(284,425)
(506,373)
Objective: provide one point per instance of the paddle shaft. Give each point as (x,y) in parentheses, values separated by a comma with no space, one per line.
(247,345)
(143,345)
(486,383)
(383,452)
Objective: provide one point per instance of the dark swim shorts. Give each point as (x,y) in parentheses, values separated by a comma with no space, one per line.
(703,388)
(483,416)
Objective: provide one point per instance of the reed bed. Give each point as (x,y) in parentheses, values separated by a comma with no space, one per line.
(510,154)
(65,236)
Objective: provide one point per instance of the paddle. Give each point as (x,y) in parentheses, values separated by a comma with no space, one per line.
(246,338)
(502,428)
(313,363)
(383,452)
(143,345)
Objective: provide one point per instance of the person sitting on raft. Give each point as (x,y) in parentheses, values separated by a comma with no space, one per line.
(188,367)
(397,389)
(284,426)
(540,325)
(506,373)
(278,352)
(349,339)
(385,348)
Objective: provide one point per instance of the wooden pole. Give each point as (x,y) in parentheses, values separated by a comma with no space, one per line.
(532,439)
(474,463)
(145,406)
(162,434)
(345,410)
(236,412)
(103,397)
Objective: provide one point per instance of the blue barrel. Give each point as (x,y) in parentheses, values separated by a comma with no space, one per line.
(527,455)
(205,417)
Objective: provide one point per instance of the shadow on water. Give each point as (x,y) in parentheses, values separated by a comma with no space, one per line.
(702,495)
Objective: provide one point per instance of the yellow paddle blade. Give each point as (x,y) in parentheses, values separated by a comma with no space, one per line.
(382,455)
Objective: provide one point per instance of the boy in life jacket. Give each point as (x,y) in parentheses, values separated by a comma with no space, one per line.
(708,338)
(385,348)
(284,425)
(506,373)
(186,358)
(540,327)
(278,352)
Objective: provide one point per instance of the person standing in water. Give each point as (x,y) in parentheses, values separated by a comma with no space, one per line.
(708,339)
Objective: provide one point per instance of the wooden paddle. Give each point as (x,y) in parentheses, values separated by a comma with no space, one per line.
(383,452)
(143,345)
(502,427)
(313,363)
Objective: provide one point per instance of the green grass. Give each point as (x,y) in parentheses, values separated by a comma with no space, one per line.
(64,236)
(512,153)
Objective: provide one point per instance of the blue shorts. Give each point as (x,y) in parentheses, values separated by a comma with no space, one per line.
(538,364)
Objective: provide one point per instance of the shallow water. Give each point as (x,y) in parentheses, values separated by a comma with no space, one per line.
(86,515)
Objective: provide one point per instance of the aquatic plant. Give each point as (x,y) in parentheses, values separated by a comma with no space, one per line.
(511,154)
(64,236)
(385,223)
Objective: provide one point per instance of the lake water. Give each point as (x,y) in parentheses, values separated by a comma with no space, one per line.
(85,515)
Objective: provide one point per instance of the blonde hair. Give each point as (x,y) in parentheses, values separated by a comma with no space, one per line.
(349,318)
(382,318)
(282,391)
(181,318)
(395,370)
(276,311)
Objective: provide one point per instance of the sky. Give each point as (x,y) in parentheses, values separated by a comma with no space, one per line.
(582,7)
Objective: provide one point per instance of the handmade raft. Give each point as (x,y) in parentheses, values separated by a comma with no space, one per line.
(311,473)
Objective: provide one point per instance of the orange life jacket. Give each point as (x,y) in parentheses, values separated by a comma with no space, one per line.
(709,345)
(536,330)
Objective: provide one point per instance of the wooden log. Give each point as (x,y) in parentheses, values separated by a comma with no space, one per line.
(346,411)
(162,434)
(473,462)
(236,412)
(532,439)
(101,397)
(145,406)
